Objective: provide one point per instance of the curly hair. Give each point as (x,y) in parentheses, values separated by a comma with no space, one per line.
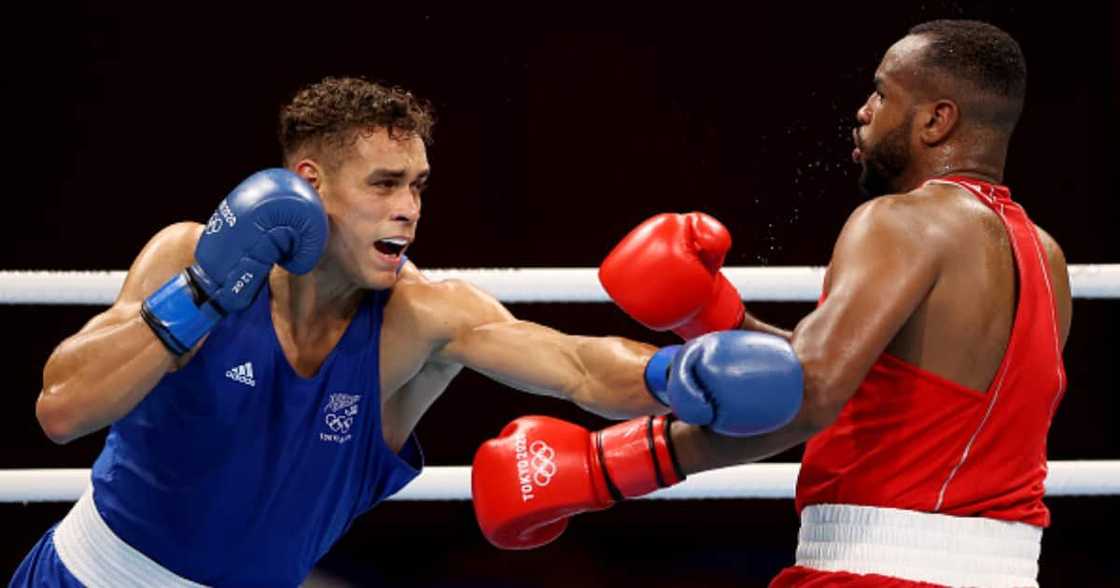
(332,112)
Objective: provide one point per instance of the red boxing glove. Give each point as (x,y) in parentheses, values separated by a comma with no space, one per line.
(665,274)
(540,471)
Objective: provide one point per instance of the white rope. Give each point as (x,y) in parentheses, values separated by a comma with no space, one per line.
(760,480)
(793,283)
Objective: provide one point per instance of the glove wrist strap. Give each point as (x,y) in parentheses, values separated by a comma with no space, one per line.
(637,457)
(657,373)
(177,314)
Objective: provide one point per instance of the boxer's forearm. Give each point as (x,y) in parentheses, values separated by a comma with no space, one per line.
(698,449)
(751,323)
(613,383)
(98,375)
(605,375)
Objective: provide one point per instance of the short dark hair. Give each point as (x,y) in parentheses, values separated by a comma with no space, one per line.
(331,112)
(979,53)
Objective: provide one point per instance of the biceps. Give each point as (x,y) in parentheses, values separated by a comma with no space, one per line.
(854,326)
(120,312)
(866,308)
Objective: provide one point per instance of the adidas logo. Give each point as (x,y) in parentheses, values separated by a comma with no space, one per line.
(242,373)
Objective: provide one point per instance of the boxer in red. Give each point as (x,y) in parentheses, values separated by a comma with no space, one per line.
(932,365)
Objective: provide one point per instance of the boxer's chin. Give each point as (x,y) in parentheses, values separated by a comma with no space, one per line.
(881,170)
(871,184)
(380,279)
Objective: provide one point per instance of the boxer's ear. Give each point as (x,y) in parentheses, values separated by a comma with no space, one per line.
(937,119)
(311,171)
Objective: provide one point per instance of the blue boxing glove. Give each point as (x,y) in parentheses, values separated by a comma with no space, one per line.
(274,216)
(739,383)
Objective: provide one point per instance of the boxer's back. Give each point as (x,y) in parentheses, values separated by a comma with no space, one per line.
(969,385)
(961,330)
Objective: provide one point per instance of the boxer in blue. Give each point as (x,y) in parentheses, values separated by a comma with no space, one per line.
(262,373)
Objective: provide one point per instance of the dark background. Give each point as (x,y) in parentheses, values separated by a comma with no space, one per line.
(560,128)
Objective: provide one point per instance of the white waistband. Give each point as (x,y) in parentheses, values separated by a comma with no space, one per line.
(918,546)
(97,557)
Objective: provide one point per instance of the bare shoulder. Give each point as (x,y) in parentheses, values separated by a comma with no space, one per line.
(180,239)
(945,214)
(892,209)
(891,234)
(894,217)
(177,240)
(440,309)
(165,254)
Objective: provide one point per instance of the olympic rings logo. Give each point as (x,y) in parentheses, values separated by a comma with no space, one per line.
(544,468)
(214,225)
(340,424)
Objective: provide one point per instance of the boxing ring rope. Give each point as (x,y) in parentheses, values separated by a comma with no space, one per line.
(519,285)
(760,480)
(773,284)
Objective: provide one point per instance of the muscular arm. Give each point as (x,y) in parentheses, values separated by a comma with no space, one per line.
(751,323)
(885,262)
(604,375)
(99,374)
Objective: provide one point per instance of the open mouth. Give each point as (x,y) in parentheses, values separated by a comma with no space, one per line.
(393,246)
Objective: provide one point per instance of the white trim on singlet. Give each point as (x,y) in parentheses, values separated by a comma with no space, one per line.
(93,553)
(918,546)
(971,440)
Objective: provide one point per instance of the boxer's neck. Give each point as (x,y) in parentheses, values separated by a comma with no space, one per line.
(313,302)
(974,158)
